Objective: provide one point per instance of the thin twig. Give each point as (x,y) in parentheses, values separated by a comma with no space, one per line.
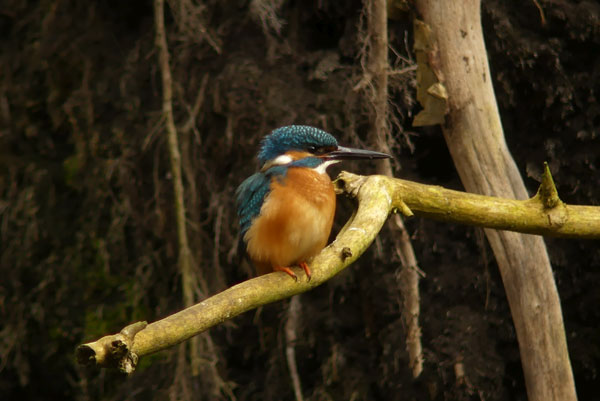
(404,70)
(188,280)
(541,11)
(197,106)
(291,327)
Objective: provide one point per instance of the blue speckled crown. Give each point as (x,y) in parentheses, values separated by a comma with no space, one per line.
(293,137)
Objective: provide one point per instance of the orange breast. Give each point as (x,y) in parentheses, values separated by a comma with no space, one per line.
(294,222)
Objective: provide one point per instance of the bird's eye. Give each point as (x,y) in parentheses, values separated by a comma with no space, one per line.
(319,150)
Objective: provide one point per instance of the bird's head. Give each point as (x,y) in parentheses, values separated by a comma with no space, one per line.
(306,146)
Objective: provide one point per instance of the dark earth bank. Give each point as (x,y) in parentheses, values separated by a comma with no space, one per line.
(87,234)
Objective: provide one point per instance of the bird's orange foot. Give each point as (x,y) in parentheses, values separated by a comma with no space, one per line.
(304,267)
(286,270)
(289,271)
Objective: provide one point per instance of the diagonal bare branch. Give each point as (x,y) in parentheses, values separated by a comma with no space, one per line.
(378,196)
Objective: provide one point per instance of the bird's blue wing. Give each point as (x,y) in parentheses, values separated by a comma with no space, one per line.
(252,193)
(250,197)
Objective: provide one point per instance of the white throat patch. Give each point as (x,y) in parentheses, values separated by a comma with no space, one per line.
(322,168)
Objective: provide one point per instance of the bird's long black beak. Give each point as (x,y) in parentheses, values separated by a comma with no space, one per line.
(342,153)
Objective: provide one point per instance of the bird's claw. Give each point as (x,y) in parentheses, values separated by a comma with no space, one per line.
(287,271)
(306,269)
(293,275)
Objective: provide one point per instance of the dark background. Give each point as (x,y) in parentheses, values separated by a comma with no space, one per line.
(87,234)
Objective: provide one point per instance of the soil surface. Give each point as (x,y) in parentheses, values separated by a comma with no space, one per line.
(88,241)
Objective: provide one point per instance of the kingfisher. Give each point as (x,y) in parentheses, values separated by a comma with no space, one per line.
(286,209)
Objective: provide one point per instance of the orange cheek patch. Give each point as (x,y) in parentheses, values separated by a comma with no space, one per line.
(297,154)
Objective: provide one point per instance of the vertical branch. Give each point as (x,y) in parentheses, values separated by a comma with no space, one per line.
(408,277)
(188,281)
(453,50)
(291,326)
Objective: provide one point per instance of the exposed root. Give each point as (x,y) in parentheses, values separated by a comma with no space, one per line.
(291,327)
(375,78)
